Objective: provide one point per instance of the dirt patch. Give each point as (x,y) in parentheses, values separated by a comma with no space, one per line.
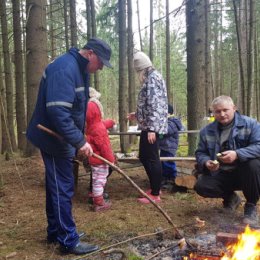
(23,221)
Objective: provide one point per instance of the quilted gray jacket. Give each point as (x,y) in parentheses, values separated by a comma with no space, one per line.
(152,104)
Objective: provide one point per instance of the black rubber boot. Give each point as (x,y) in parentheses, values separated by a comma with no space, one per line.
(250,215)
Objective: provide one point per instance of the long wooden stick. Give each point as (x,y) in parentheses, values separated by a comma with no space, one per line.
(49,131)
(115,167)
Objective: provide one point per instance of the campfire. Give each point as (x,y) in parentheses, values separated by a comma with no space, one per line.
(232,242)
(247,247)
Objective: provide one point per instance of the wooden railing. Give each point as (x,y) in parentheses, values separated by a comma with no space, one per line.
(138,133)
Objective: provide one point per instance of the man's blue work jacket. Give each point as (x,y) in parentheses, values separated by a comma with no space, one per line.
(61,105)
(244,139)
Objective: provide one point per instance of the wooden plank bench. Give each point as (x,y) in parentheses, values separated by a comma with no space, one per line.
(139,132)
(136,160)
(185,180)
(163,159)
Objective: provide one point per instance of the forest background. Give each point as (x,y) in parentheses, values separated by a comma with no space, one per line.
(203,48)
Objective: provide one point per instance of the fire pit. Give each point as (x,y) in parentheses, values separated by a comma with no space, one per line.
(247,247)
(206,247)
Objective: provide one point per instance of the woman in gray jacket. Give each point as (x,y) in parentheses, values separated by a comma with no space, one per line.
(151,115)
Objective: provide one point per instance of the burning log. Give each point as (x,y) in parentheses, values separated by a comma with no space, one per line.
(207,257)
(206,254)
(226,238)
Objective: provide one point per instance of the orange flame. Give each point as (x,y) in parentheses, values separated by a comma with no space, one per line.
(246,248)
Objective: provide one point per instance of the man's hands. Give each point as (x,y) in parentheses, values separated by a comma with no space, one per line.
(226,157)
(212,165)
(86,149)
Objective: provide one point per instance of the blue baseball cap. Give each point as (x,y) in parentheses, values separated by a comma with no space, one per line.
(101,49)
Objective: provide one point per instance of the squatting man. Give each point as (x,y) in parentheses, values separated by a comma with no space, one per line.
(228,156)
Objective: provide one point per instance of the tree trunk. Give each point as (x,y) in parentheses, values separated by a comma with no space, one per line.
(195,22)
(130,47)
(19,80)
(93,18)
(241,69)
(250,65)
(94,34)
(139,25)
(123,109)
(168,56)
(208,74)
(216,84)
(36,54)
(242,27)
(234,73)
(8,77)
(66,27)
(131,75)
(3,135)
(1,112)
(151,31)
(220,62)
(88,12)
(51,31)
(256,65)
(89,33)
(73,24)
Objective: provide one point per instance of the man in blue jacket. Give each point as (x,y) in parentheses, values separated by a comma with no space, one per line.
(228,155)
(61,107)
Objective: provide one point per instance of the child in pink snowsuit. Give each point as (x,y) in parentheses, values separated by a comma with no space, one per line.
(97,137)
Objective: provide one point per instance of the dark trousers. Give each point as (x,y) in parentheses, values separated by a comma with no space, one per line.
(246,177)
(59,181)
(149,157)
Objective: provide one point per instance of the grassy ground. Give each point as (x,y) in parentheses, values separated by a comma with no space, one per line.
(23,221)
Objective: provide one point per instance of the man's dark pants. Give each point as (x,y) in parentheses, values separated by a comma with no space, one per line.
(59,191)
(245,177)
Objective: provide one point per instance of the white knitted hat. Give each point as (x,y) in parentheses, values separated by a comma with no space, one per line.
(141,61)
(94,94)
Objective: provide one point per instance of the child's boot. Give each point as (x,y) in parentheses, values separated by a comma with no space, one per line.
(90,197)
(100,204)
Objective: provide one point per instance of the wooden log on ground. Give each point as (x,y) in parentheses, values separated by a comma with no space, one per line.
(226,238)
(203,257)
(187,181)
